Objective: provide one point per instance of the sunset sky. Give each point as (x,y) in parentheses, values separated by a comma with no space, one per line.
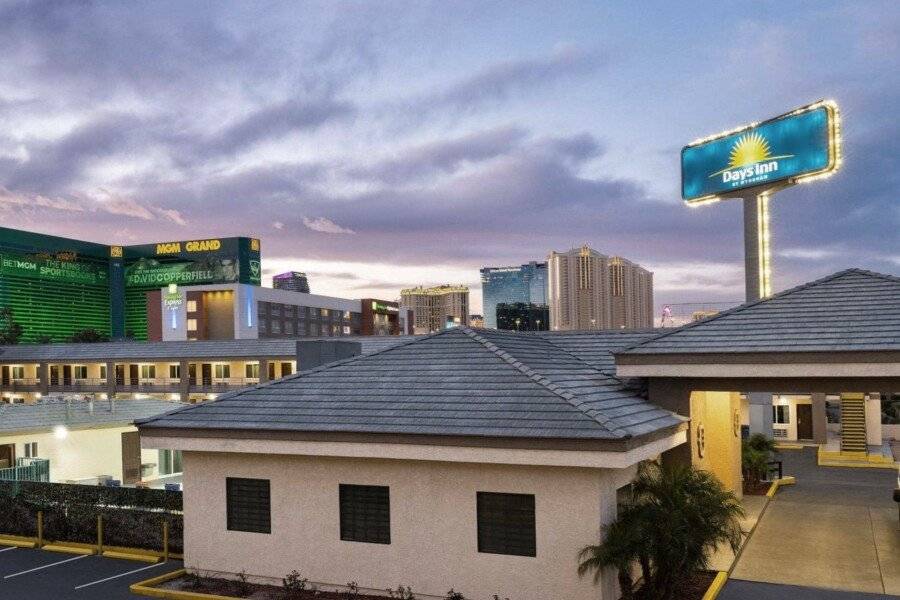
(382,145)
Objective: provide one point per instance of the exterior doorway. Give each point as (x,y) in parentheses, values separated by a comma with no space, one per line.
(804,422)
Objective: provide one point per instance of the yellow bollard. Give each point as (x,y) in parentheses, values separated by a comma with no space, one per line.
(40,530)
(99,534)
(165,540)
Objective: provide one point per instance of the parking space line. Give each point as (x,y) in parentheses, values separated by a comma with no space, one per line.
(84,585)
(45,566)
(8,549)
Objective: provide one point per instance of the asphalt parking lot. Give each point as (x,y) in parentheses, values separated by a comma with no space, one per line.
(43,575)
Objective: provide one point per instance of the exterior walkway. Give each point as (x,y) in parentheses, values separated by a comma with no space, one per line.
(837,529)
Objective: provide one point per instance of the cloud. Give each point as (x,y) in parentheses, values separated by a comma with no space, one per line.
(278,225)
(441,157)
(502,80)
(323,225)
(808,253)
(274,121)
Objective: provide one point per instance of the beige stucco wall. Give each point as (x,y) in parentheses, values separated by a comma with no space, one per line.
(719,416)
(81,454)
(433,524)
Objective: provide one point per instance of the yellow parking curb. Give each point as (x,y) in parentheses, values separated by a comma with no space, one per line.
(147,558)
(65,549)
(716,586)
(146,588)
(16,543)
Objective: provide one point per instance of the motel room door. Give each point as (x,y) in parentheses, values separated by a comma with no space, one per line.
(804,422)
(7,455)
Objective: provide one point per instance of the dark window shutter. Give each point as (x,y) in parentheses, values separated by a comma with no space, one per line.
(365,513)
(506,524)
(248,505)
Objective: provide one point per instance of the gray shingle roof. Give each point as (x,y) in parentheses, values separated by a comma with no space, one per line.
(45,415)
(597,348)
(199,349)
(456,382)
(852,310)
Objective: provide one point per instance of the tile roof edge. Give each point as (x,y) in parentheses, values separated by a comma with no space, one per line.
(511,360)
(748,305)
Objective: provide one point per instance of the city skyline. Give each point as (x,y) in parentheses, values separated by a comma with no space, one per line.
(364,149)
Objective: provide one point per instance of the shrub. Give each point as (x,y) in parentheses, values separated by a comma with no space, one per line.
(756,452)
(294,584)
(402,593)
(453,595)
(352,590)
(678,516)
(241,586)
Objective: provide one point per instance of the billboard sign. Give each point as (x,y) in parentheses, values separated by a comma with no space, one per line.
(797,146)
(52,269)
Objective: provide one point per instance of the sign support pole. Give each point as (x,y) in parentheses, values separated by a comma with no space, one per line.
(757,249)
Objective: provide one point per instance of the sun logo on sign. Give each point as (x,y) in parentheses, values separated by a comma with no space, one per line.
(749,149)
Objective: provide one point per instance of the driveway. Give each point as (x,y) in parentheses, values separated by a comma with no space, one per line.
(836,529)
(43,575)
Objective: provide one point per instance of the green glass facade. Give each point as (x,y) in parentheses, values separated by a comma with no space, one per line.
(57,286)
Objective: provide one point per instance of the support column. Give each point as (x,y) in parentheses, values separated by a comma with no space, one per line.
(263,370)
(44,378)
(820,419)
(675,397)
(760,406)
(184,383)
(757,254)
(873,419)
(110,380)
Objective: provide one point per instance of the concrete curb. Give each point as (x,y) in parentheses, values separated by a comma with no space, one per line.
(716,586)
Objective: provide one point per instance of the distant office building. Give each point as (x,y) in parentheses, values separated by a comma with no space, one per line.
(293,281)
(435,307)
(589,290)
(523,284)
(520,316)
(476,321)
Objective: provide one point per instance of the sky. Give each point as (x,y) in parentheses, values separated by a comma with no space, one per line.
(383,145)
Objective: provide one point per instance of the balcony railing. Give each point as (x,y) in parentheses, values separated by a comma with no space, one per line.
(27,469)
(22,384)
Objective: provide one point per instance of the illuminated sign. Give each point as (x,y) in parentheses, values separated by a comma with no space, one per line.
(254,245)
(193,246)
(382,307)
(52,269)
(116,251)
(153,273)
(798,146)
(173,299)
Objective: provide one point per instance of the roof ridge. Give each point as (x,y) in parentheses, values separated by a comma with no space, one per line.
(748,305)
(566,395)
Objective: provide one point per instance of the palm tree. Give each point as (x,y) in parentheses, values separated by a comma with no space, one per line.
(756,453)
(678,517)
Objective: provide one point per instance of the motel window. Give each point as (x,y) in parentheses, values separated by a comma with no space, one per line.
(248,505)
(223,371)
(301,328)
(289,327)
(169,462)
(275,310)
(324,312)
(286,369)
(18,372)
(31,450)
(79,372)
(313,329)
(148,371)
(781,414)
(102,371)
(174,371)
(276,326)
(251,370)
(191,306)
(263,326)
(288,310)
(506,524)
(192,324)
(365,513)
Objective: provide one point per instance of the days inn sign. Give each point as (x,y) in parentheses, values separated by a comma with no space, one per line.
(792,148)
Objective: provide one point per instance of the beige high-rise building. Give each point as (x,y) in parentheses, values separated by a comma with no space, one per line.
(432,307)
(589,290)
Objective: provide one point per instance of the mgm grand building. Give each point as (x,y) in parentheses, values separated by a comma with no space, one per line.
(184,320)
(57,287)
